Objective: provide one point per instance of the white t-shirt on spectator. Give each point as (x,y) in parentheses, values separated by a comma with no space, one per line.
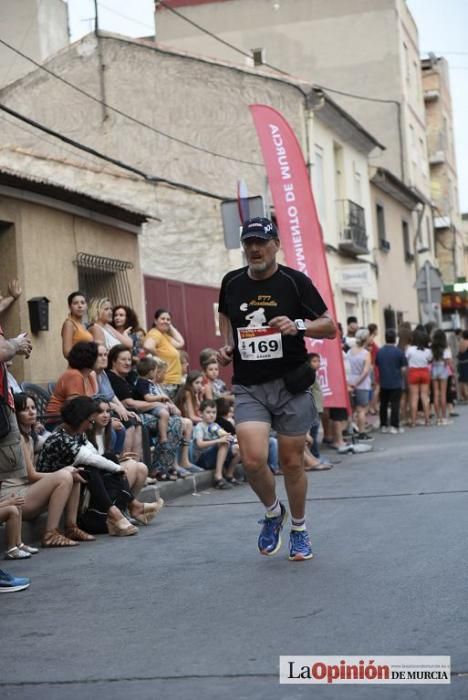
(447,354)
(418,358)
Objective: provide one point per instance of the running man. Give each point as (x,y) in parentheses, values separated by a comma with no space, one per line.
(266,358)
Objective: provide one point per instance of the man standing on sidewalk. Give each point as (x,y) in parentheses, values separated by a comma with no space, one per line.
(265,311)
(391,362)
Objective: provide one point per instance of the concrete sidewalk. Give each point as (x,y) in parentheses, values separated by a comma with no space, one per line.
(188,608)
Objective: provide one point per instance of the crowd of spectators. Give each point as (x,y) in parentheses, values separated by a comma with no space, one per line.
(129,411)
(413,379)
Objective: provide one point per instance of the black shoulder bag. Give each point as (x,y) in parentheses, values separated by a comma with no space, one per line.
(300,378)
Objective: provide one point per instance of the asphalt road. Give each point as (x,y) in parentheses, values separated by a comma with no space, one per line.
(189,609)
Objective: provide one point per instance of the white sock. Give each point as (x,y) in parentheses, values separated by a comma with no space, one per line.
(298,524)
(274,510)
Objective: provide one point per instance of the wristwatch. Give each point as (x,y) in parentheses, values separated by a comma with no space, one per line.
(300,325)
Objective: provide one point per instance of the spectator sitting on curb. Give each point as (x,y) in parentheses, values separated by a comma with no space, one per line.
(213,386)
(184,364)
(208,356)
(58,493)
(78,380)
(129,420)
(150,387)
(136,473)
(214,447)
(10,514)
(68,445)
(190,395)
(165,465)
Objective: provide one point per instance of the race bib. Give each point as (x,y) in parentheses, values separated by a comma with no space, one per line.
(260,343)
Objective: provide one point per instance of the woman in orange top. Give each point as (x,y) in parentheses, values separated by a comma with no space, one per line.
(165,341)
(73,330)
(78,380)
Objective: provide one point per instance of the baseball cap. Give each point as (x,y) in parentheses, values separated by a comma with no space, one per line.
(259,227)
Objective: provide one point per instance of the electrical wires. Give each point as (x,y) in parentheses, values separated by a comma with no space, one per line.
(114,161)
(124,114)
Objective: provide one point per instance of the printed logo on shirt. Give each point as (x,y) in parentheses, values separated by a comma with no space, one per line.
(261,300)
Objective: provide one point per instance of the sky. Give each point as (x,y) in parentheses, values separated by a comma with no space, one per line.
(442,26)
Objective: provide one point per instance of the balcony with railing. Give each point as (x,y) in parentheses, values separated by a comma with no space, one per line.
(352,227)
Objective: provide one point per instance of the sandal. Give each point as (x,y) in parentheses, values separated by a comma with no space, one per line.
(77,535)
(165,475)
(120,528)
(221,484)
(320,467)
(232,480)
(150,510)
(28,548)
(54,538)
(17,553)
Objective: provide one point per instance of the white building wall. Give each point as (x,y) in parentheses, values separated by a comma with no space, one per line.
(39,28)
(363,297)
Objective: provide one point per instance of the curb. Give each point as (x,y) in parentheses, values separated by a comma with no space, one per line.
(33,530)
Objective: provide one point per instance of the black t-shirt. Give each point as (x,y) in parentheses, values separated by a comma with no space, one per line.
(226,425)
(122,388)
(250,304)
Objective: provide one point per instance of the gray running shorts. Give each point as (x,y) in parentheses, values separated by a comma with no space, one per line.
(270,402)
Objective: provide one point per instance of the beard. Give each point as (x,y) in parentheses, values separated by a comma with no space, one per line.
(258,266)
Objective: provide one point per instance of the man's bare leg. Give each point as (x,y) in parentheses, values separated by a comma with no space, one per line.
(253,439)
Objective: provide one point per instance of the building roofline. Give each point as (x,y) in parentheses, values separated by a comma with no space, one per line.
(396,188)
(305,87)
(14,182)
(183,3)
(318,95)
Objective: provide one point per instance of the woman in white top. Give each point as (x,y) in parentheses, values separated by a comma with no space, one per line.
(440,370)
(419,377)
(100,319)
(359,378)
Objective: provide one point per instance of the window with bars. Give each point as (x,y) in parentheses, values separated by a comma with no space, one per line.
(100,277)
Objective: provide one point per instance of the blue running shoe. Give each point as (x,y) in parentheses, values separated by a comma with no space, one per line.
(300,547)
(269,540)
(10,584)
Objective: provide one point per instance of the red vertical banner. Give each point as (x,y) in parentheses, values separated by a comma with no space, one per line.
(300,234)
